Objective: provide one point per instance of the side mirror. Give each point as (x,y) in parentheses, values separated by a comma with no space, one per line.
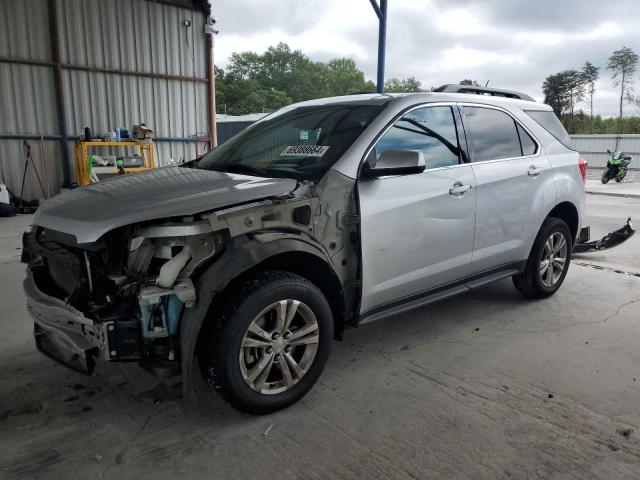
(608,151)
(394,162)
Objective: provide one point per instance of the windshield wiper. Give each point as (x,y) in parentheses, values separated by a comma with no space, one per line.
(243,168)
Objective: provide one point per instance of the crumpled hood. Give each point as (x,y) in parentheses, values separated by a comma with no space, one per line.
(90,212)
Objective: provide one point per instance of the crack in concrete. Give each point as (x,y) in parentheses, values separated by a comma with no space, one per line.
(608,269)
(120,455)
(535,332)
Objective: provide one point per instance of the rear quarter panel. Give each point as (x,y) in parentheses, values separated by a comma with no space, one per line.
(569,184)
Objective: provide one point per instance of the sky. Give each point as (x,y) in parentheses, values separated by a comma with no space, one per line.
(513,44)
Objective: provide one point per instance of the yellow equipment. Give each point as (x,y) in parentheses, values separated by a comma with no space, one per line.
(147,152)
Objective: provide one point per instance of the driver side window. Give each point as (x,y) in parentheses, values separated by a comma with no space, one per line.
(432,130)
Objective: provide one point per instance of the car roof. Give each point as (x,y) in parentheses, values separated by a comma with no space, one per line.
(408,99)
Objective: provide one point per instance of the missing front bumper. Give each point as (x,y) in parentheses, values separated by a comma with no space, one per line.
(61,332)
(64,349)
(64,334)
(611,240)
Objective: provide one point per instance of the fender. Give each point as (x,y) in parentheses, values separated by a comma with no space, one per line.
(240,255)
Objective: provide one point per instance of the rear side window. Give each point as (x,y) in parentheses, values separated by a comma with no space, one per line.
(548,120)
(431,130)
(493,134)
(529,147)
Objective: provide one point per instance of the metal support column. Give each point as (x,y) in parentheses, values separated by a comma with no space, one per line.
(381,13)
(211,93)
(54,39)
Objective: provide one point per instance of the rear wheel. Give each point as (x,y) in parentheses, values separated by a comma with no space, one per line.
(548,261)
(267,347)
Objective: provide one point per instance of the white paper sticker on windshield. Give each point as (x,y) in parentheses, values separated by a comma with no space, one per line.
(304,151)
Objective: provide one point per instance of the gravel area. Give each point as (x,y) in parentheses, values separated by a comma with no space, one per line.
(633,176)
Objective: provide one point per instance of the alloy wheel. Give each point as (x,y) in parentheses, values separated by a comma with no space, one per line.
(554,259)
(279,346)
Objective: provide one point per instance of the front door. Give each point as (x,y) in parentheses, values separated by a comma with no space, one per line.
(417,230)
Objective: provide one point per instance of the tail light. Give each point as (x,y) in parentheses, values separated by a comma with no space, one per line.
(584,166)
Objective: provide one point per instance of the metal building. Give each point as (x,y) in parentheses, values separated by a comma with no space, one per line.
(69,64)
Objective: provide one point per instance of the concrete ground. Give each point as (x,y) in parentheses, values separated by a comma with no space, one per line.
(484,386)
(626,189)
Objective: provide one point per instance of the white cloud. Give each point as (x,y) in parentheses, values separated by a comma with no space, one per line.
(327,30)
(468,58)
(461,22)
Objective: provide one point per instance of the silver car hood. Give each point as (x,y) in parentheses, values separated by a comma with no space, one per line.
(90,212)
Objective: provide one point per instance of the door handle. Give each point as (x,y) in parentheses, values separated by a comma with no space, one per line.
(459,189)
(534,171)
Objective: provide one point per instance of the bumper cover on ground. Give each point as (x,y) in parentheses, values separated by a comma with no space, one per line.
(610,240)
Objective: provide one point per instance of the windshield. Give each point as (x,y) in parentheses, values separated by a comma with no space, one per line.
(302,143)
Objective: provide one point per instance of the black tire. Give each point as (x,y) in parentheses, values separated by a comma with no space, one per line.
(220,342)
(530,282)
(605,176)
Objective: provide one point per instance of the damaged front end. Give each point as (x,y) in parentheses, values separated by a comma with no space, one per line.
(610,240)
(123,297)
(118,299)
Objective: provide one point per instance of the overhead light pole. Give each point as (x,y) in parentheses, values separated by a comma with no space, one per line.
(381,13)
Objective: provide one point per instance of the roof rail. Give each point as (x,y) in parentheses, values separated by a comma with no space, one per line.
(497,92)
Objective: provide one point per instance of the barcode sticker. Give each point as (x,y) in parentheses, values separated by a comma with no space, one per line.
(304,151)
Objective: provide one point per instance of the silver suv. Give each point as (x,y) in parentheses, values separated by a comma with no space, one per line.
(239,268)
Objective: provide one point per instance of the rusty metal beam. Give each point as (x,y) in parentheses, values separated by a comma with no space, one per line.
(113,71)
(116,71)
(54,40)
(24,61)
(186,4)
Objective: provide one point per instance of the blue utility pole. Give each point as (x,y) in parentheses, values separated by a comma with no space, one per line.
(381,12)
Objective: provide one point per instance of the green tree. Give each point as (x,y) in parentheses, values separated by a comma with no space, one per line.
(395,85)
(575,84)
(622,65)
(585,123)
(590,73)
(467,81)
(254,82)
(555,94)
(345,78)
(563,91)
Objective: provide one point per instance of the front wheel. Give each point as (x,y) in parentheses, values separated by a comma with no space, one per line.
(267,346)
(548,262)
(605,176)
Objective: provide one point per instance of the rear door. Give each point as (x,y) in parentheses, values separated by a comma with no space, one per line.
(514,187)
(417,230)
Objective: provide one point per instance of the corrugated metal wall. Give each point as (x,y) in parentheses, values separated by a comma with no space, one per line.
(594,148)
(27,101)
(133,35)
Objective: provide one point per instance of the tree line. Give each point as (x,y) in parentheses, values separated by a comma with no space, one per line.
(253,82)
(564,90)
